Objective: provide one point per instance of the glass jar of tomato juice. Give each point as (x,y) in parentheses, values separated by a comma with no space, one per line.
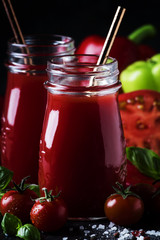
(82,147)
(25,101)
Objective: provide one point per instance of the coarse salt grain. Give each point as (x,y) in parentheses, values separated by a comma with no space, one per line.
(153,232)
(140,238)
(106,232)
(111,224)
(81,228)
(65,238)
(94,226)
(113,229)
(125,236)
(125,230)
(100,226)
(93,235)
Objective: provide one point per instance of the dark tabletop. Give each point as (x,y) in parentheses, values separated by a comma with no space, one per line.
(102,229)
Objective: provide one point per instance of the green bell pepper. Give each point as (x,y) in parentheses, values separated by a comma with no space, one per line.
(141,33)
(142,75)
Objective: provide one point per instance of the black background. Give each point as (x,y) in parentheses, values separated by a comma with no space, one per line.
(77,19)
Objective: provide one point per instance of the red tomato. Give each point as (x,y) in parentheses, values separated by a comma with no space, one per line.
(124,211)
(18,204)
(49,215)
(124,50)
(140,113)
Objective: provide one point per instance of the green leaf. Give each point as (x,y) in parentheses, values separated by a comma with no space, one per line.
(35,188)
(147,161)
(2,193)
(28,232)
(5,177)
(10,224)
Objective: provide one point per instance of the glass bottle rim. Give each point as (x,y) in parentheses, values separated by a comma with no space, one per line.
(68,76)
(56,66)
(39,48)
(53,39)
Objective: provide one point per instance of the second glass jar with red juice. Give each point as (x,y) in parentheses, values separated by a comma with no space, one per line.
(82,147)
(25,101)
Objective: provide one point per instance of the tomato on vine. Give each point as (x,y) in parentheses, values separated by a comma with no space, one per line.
(18,201)
(124,207)
(49,213)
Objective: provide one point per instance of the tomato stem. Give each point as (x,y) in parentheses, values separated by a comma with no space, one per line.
(21,188)
(21,185)
(124,192)
(47,196)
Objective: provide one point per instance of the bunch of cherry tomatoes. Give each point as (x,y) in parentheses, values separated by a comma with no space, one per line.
(48,213)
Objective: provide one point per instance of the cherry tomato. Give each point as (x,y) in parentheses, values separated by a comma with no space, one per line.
(18,203)
(49,214)
(124,211)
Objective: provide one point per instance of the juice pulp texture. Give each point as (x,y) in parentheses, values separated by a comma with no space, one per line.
(82,151)
(22,120)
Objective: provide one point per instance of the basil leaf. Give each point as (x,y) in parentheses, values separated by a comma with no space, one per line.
(34,187)
(5,177)
(10,224)
(147,161)
(28,232)
(2,193)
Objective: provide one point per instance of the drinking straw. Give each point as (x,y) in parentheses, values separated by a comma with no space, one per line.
(109,39)
(13,22)
(16,28)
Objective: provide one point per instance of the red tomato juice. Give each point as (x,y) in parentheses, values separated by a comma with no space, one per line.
(82,151)
(22,120)
(25,100)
